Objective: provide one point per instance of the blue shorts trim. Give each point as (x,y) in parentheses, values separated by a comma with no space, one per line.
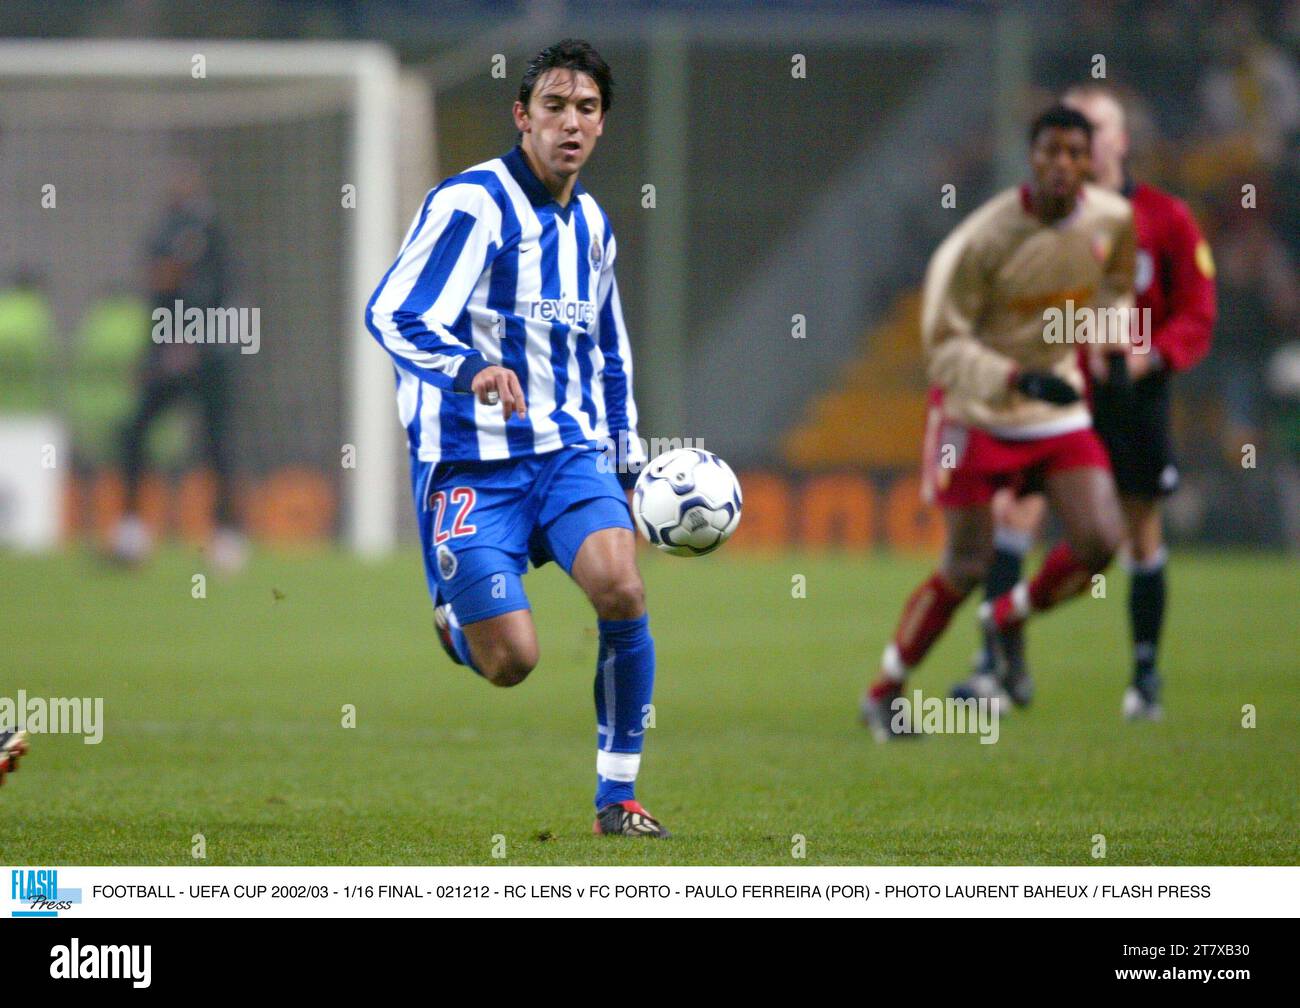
(493,595)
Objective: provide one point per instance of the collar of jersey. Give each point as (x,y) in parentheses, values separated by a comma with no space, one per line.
(1027,205)
(533,187)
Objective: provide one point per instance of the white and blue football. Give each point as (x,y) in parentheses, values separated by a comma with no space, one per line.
(687,502)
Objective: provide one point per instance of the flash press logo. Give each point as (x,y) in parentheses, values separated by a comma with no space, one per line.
(75,961)
(39,889)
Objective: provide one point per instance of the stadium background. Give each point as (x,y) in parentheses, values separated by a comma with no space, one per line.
(775,196)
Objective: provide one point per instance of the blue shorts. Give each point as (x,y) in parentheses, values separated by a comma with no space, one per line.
(482,522)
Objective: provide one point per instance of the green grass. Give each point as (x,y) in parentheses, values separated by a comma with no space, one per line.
(223,718)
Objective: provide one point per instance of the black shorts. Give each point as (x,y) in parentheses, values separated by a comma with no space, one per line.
(1133,423)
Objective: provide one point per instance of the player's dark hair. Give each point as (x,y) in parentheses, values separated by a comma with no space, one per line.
(1060,117)
(570,54)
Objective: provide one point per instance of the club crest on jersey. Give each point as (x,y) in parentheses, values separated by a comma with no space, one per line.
(596,253)
(446,562)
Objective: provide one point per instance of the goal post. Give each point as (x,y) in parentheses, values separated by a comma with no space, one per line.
(307,146)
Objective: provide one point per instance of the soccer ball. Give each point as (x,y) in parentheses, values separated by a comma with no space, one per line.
(687,502)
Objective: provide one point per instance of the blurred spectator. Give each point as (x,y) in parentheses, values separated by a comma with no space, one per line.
(1258,305)
(31,434)
(1252,89)
(1166,51)
(26,345)
(1284,387)
(1287,190)
(105,362)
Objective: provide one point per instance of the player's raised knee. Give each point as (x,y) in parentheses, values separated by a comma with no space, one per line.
(506,661)
(508,666)
(508,673)
(1096,550)
(619,596)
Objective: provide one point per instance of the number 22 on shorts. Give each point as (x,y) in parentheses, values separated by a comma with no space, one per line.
(460,496)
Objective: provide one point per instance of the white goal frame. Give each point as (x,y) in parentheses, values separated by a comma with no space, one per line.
(370,71)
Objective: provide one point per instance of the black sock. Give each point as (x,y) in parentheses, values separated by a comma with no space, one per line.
(1003,575)
(1146,610)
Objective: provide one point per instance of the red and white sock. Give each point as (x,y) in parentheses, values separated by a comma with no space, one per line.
(1061,577)
(925,617)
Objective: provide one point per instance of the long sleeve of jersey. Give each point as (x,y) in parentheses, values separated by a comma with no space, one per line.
(954,293)
(412,312)
(1184,337)
(620,406)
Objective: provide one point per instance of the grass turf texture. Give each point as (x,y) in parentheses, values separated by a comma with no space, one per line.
(223,717)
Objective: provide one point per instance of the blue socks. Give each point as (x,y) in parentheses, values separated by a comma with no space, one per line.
(625,676)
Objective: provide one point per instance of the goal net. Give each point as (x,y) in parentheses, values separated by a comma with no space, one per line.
(304,150)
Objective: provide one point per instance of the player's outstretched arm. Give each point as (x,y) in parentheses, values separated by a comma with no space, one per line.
(496,384)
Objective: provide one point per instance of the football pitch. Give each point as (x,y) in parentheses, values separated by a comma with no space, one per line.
(223,716)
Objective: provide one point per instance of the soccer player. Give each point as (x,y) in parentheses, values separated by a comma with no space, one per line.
(1175,281)
(1011,395)
(187,263)
(502,316)
(13,744)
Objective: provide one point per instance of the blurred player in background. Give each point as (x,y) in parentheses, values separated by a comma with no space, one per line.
(1175,280)
(1012,406)
(187,263)
(503,319)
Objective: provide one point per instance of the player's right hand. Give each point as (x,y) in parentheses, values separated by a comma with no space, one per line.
(495,384)
(1045,386)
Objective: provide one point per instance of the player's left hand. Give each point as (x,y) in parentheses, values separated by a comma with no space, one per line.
(496,384)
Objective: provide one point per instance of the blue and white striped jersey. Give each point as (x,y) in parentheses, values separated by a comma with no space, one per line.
(494,271)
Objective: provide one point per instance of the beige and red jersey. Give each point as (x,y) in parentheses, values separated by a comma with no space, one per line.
(989,293)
